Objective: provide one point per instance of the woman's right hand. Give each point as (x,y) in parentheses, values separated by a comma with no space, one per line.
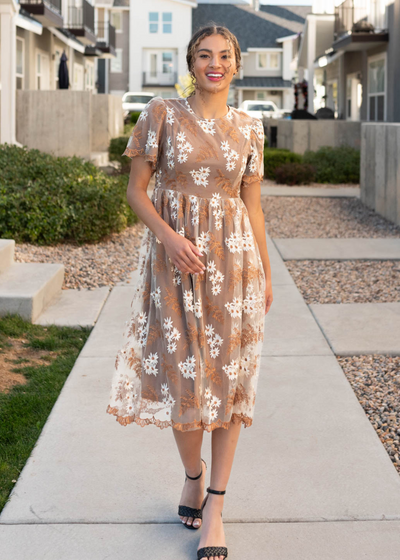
(183,253)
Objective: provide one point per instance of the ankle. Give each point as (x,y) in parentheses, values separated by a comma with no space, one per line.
(194,471)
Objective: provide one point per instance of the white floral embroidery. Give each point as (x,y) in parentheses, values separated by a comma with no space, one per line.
(230,155)
(231,370)
(151,140)
(216,277)
(150,364)
(177,278)
(213,403)
(187,367)
(202,241)
(207,126)
(172,335)
(200,177)
(234,242)
(143,115)
(156,295)
(191,305)
(213,340)
(246,131)
(248,241)
(194,208)
(167,399)
(184,147)
(142,328)
(217,211)
(253,302)
(253,159)
(170,115)
(170,153)
(234,307)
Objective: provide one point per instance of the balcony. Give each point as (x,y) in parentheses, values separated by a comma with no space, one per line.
(360,25)
(106,39)
(81,22)
(159,78)
(48,12)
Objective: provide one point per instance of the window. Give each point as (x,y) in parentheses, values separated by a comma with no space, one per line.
(116,63)
(116,21)
(260,95)
(376,88)
(153,22)
(167,22)
(19,70)
(167,62)
(268,61)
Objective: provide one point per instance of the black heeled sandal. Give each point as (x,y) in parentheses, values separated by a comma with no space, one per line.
(209,551)
(187,511)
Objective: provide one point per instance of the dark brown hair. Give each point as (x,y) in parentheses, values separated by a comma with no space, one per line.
(211,29)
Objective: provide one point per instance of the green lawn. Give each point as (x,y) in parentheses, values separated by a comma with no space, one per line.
(45,357)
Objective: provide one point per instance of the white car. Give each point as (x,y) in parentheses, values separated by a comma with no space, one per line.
(135,101)
(261,109)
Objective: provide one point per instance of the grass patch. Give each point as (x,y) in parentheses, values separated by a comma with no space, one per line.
(35,361)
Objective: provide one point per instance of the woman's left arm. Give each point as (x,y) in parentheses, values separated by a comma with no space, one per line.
(252,200)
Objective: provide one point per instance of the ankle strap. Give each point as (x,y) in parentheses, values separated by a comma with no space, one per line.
(216,491)
(198,476)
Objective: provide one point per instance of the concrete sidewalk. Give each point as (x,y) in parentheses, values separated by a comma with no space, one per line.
(331,192)
(311,479)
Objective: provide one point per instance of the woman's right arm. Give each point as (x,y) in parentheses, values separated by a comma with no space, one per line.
(182,252)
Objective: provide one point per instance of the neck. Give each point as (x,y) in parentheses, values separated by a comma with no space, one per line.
(208,105)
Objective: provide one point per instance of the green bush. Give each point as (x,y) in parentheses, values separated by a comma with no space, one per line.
(134,116)
(47,200)
(335,165)
(274,157)
(116,148)
(295,174)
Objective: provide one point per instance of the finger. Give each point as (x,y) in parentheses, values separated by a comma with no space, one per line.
(195,261)
(185,264)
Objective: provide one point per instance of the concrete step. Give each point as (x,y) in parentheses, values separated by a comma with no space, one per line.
(27,288)
(74,308)
(6,253)
(100,159)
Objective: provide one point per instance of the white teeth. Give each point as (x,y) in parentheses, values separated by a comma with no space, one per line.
(215,75)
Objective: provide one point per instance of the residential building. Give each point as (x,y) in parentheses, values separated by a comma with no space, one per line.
(350,53)
(157,50)
(268,38)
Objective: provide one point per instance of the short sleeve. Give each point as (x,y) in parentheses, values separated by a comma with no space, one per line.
(254,170)
(145,139)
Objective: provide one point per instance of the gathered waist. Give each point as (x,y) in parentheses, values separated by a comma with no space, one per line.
(214,197)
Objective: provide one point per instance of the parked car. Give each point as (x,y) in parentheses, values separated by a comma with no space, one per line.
(135,101)
(261,109)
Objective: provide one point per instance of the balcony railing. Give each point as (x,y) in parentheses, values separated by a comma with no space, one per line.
(353,16)
(105,33)
(159,78)
(81,17)
(54,5)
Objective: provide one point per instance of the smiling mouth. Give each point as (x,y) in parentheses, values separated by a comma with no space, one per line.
(214,76)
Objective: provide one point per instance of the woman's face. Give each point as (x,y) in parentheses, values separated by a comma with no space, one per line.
(214,63)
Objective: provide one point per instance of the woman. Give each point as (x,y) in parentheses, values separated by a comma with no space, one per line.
(194,338)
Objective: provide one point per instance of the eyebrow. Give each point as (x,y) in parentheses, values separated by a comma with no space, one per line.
(208,50)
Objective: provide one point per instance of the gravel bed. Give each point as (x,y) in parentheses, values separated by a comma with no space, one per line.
(271,183)
(331,281)
(375,380)
(323,217)
(90,265)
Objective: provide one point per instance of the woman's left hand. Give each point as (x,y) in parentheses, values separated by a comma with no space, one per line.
(268,296)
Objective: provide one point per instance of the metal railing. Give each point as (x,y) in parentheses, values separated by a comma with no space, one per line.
(105,33)
(159,78)
(81,17)
(352,12)
(54,5)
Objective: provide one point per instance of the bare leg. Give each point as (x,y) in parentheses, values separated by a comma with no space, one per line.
(223,446)
(189,446)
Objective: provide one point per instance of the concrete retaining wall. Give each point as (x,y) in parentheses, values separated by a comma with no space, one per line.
(380,168)
(299,136)
(67,123)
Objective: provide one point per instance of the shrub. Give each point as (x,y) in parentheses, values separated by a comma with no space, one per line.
(295,174)
(46,199)
(335,165)
(116,148)
(134,116)
(274,157)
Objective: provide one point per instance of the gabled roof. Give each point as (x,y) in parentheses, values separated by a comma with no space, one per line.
(294,13)
(252,29)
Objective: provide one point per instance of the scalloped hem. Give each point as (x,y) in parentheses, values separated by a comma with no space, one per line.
(150,158)
(189,426)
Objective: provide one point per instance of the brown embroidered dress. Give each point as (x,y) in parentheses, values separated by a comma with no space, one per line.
(193,353)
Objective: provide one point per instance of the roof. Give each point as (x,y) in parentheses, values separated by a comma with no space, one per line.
(262,82)
(253,29)
(293,13)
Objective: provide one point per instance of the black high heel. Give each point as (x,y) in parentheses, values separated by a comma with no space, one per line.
(209,551)
(187,511)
